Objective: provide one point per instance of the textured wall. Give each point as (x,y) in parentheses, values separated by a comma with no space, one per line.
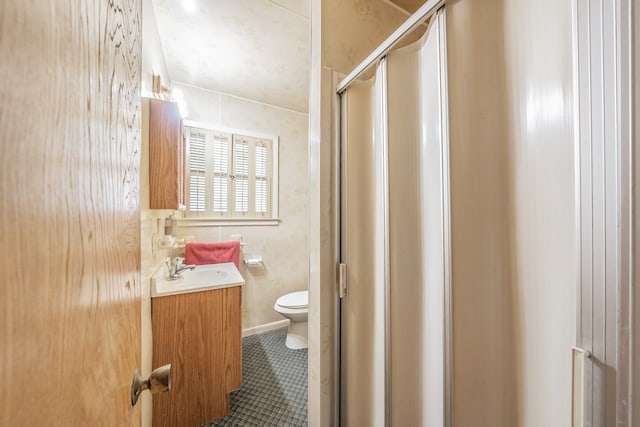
(352,29)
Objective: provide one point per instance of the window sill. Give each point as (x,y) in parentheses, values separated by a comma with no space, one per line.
(221,222)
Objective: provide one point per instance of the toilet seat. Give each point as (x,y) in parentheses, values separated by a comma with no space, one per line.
(294,300)
(295,307)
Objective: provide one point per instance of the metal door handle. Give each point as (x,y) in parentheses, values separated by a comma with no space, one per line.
(158,382)
(579,357)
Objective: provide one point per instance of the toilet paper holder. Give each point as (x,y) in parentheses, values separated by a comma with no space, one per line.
(252,261)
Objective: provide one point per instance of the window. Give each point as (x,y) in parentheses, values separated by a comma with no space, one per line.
(230,174)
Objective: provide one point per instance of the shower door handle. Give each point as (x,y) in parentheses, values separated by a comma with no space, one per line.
(579,357)
(342,280)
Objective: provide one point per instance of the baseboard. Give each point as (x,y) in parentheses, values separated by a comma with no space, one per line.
(266,327)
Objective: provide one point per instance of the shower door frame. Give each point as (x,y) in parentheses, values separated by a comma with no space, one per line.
(431,8)
(606,60)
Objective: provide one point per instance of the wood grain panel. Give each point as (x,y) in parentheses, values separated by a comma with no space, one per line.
(200,334)
(166,155)
(69,236)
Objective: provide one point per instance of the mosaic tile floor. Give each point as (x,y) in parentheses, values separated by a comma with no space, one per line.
(274,384)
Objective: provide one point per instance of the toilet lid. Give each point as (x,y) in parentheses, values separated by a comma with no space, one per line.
(294,300)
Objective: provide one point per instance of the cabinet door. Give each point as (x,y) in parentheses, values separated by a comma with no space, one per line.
(200,334)
(166,156)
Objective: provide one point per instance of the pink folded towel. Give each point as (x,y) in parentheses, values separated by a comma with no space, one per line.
(212,253)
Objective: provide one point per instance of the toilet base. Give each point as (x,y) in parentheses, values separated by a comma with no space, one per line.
(297,335)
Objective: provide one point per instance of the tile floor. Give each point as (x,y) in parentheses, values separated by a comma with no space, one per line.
(274,384)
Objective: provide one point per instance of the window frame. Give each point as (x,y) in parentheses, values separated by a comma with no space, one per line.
(196,219)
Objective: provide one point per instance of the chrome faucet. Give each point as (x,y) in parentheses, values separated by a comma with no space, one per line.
(176,267)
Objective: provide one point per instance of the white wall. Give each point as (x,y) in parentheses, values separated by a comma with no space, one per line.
(284,248)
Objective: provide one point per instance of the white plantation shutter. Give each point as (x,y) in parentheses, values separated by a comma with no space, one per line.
(262,177)
(196,193)
(230,175)
(197,167)
(241,174)
(221,179)
(261,196)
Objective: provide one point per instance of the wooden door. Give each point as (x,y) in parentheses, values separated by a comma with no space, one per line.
(69,212)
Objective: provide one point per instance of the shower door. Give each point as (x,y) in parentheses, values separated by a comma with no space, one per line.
(395,239)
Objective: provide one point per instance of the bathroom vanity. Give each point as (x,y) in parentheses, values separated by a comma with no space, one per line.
(196,324)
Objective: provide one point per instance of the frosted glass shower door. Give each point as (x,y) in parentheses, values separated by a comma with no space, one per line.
(395,240)
(363,309)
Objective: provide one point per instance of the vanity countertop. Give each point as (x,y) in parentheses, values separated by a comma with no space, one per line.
(201,278)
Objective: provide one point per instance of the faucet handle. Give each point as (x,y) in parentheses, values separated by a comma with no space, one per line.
(177,261)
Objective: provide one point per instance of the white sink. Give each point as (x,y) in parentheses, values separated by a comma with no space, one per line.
(202,278)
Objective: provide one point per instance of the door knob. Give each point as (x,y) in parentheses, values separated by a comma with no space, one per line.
(158,382)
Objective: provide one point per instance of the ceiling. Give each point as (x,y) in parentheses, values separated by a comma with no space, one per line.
(257,49)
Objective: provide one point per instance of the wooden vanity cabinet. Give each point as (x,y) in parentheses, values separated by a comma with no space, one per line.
(166,156)
(200,335)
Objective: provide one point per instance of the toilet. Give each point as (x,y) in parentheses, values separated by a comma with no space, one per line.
(295,307)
